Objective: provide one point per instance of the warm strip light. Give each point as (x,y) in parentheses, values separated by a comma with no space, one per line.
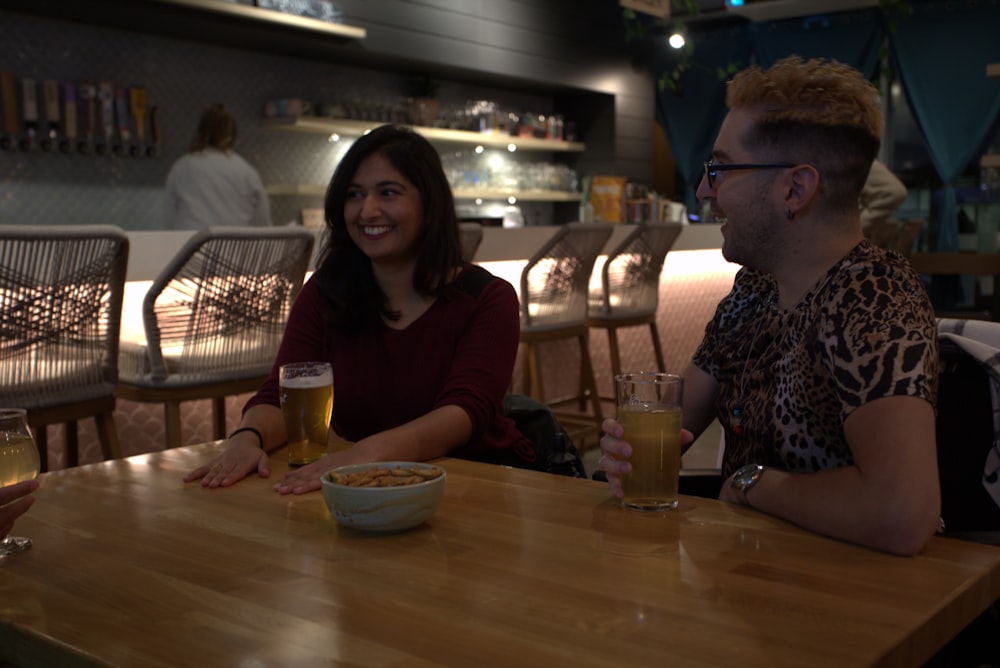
(678,265)
(682,265)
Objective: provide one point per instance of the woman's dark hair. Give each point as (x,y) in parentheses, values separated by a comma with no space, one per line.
(216,129)
(346,281)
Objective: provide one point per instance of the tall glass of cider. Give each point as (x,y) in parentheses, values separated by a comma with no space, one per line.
(649,410)
(18,462)
(306,405)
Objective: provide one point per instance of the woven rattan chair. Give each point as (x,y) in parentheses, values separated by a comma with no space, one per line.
(61,291)
(213,320)
(471,235)
(630,287)
(554,287)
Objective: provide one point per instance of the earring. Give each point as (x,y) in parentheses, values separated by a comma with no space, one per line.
(789,214)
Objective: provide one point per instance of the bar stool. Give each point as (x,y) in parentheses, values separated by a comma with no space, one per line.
(213,320)
(553,296)
(61,291)
(630,287)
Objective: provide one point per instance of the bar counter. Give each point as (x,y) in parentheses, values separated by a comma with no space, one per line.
(150,250)
(132,567)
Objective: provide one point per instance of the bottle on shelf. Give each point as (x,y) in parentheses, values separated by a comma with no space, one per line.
(586,213)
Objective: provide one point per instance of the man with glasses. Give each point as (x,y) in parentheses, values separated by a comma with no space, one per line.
(821,363)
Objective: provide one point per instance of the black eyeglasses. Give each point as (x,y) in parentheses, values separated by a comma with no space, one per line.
(712,169)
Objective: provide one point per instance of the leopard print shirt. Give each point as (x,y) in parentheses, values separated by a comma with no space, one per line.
(866,331)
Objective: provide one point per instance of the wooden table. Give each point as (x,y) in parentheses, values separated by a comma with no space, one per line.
(131,567)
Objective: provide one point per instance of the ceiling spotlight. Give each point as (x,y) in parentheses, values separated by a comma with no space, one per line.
(677,40)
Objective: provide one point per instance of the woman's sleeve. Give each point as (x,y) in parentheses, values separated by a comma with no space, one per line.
(485,355)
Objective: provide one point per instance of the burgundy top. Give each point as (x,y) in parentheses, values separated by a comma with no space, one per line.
(460,352)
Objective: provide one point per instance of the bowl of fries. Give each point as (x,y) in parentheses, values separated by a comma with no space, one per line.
(383,496)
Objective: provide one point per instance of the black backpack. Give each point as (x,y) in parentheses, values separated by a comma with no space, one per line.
(554,451)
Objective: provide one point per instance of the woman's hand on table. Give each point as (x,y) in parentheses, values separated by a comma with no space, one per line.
(306,478)
(241,457)
(615,453)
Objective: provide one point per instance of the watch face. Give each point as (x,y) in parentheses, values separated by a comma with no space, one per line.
(746,476)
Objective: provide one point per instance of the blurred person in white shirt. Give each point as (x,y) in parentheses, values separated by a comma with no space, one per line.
(212,185)
(881,195)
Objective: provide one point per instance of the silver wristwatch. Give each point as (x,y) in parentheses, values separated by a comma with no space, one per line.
(745,478)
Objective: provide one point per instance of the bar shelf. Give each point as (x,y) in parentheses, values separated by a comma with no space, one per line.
(319,190)
(272,17)
(356,128)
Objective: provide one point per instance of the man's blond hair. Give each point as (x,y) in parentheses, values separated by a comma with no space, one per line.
(820,112)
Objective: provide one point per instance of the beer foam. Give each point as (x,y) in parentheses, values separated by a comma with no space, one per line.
(308,382)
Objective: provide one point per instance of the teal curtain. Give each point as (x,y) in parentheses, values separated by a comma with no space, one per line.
(691,115)
(940,53)
(853,38)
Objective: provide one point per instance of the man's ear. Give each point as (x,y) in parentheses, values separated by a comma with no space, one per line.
(801,188)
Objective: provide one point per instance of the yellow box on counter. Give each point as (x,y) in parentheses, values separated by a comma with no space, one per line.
(606,193)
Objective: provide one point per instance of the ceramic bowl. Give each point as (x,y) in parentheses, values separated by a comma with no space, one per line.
(383,509)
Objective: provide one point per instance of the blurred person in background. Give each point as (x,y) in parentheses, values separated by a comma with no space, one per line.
(212,185)
(881,196)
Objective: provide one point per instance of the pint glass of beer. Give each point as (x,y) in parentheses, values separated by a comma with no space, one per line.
(649,410)
(306,404)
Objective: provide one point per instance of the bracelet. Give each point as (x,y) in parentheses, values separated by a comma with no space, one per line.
(256,433)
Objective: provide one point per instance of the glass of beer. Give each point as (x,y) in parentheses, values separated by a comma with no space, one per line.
(649,410)
(18,462)
(306,404)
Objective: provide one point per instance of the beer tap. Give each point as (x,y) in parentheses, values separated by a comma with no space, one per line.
(29,97)
(106,97)
(88,116)
(156,139)
(68,142)
(12,125)
(124,129)
(50,93)
(138,96)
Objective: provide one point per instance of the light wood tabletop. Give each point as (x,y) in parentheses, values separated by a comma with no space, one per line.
(132,567)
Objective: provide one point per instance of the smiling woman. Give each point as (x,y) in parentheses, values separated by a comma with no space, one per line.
(386,217)
(422,344)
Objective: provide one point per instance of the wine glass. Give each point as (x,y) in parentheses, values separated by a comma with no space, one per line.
(18,462)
